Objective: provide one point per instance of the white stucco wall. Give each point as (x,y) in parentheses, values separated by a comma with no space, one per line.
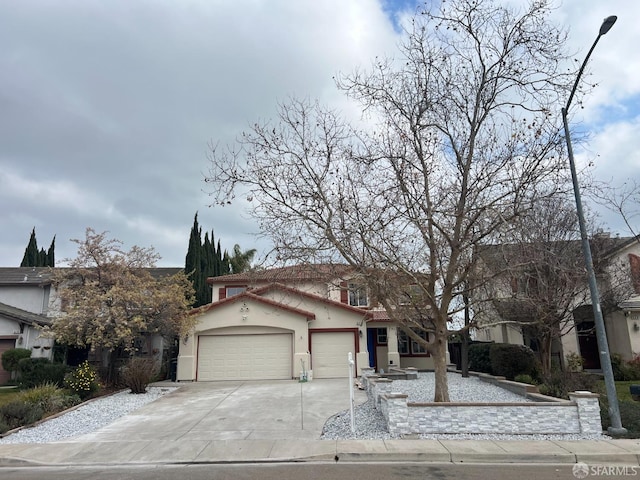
(31,298)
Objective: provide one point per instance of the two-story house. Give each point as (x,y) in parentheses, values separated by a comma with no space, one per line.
(277,323)
(28,301)
(25,301)
(502,318)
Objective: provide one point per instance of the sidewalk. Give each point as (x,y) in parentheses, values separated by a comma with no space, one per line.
(281,421)
(599,452)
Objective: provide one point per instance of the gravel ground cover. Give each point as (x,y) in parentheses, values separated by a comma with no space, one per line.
(370,423)
(87,418)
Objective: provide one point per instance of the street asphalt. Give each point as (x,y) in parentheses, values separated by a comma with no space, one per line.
(281,421)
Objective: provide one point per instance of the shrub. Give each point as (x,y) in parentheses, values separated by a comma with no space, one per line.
(624,371)
(479,357)
(83,380)
(629,416)
(50,398)
(36,371)
(18,413)
(510,360)
(559,384)
(3,425)
(11,358)
(524,378)
(138,373)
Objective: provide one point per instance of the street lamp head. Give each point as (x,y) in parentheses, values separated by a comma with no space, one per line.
(607,24)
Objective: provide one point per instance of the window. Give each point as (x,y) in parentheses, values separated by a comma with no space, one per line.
(231,291)
(381,334)
(411,295)
(407,346)
(357,295)
(403,343)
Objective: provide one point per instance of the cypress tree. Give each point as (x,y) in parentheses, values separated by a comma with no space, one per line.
(51,256)
(204,259)
(34,257)
(192,264)
(30,257)
(208,269)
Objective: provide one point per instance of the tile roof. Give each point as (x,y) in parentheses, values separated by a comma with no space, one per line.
(257,294)
(300,273)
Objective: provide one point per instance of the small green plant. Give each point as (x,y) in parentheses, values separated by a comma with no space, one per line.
(525,378)
(574,362)
(138,373)
(83,380)
(50,398)
(18,413)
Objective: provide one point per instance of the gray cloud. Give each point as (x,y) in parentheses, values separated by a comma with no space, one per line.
(106,108)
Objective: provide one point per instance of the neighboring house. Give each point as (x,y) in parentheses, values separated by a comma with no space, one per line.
(277,323)
(28,301)
(25,300)
(618,276)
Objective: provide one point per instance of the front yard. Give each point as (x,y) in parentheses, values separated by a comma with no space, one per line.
(8,394)
(629,409)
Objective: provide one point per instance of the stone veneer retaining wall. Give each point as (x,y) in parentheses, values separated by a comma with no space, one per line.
(546,415)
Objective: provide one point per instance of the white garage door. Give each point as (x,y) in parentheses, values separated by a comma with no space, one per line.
(329,353)
(244,357)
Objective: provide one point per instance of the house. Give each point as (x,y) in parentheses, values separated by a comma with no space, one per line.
(28,301)
(25,301)
(617,266)
(278,323)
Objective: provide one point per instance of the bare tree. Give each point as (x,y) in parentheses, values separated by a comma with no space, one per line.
(462,131)
(537,279)
(624,200)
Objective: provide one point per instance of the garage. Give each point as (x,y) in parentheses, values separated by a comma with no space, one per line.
(329,353)
(245,357)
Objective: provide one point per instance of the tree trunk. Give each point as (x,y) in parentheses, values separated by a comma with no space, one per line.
(464,348)
(464,354)
(545,354)
(440,365)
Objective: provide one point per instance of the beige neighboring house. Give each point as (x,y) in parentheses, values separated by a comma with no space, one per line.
(25,302)
(622,318)
(278,323)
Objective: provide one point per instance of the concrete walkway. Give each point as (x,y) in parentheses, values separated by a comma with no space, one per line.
(281,421)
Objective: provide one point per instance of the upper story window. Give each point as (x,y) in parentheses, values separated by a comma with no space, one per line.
(231,291)
(411,295)
(358,295)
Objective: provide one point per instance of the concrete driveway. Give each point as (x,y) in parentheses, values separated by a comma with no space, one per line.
(255,410)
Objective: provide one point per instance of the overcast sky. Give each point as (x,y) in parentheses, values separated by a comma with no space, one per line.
(107,108)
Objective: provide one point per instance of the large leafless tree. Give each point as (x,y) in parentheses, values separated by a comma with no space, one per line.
(462,134)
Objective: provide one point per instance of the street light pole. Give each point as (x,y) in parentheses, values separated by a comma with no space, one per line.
(616,427)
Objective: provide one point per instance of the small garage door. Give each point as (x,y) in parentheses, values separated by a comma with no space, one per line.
(4,346)
(244,357)
(329,353)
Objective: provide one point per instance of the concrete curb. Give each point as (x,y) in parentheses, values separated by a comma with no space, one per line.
(612,452)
